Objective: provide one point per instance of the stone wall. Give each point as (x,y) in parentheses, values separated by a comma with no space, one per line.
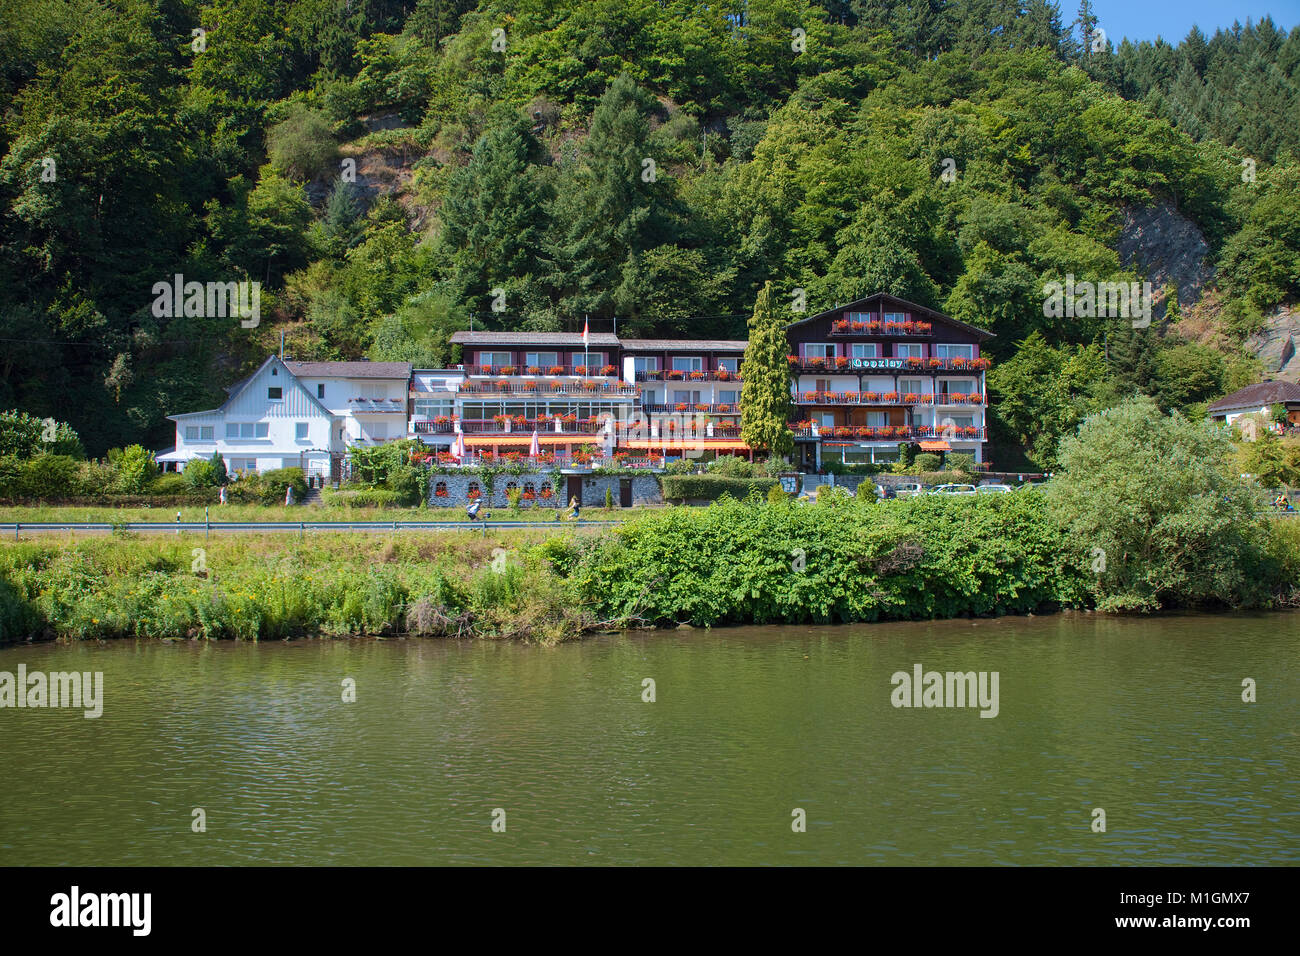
(645,490)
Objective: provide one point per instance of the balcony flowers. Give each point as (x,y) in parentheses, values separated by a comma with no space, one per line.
(810,396)
(890,397)
(675,374)
(858,325)
(546,458)
(911,398)
(608,370)
(935,363)
(885,431)
(850,397)
(970,431)
(980,363)
(534,370)
(579,370)
(865,431)
(909,327)
(446,458)
(441,420)
(892,328)
(503,385)
(817,362)
(680,407)
(530,386)
(555,370)
(873,325)
(914,363)
(841,325)
(975,398)
(722,375)
(590,386)
(724,408)
(842,431)
(870,396)
(697,376)
(569,419)
(582,458)
(519,421)
(793,360)
(958,397)
(958,362)
(501,419)
(702,407)
(513,456)
(924,328)
(506,370)
(841,361)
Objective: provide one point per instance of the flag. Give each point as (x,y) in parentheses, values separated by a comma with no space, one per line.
(535,448)
(459,448)
(586,334)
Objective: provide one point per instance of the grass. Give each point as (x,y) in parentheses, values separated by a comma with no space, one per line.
(61,513)
(259,587)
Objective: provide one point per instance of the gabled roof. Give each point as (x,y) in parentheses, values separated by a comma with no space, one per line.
(400,370)
(1258,395)
(910,306)
(532,338)
(234,391)
(702,345)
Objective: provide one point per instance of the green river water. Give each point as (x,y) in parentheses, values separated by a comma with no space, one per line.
(1143,718)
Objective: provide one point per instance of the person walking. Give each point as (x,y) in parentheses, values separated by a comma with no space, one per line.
(574,508)
(472,509)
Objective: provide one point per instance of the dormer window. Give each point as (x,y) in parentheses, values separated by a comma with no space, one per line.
(275,393)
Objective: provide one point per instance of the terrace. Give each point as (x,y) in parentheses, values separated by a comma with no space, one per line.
(677,375)
(889,398)
(843,363)
(708,408)
(552,371)
(907,327)
(890,433)
(548,387)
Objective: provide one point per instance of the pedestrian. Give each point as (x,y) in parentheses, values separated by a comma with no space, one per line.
(221,495)
(574,508)
(288,495)
(473,508)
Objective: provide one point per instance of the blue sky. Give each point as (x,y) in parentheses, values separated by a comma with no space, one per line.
(1171,19)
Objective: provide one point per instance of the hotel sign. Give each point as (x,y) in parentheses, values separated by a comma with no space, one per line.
(878,364)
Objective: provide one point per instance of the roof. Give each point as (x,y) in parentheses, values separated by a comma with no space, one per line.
(1258,395)
(532,338)
(911,306)
(702,345)
(400,370)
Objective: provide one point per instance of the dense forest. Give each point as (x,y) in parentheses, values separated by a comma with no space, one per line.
(391,170)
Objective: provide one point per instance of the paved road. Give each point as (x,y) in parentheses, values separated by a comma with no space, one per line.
(13,530)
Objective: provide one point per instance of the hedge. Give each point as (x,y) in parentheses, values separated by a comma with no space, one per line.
(360,498)
(712,487)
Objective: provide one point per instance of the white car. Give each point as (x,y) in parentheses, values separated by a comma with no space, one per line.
(954,490)
(992,489)
(908,488)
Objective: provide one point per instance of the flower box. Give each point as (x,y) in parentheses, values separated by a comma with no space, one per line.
(506,370)
(608,370)
(911,398)
(697,376)
(555,370)
(579,370)
(870,396)
(674,374)
(841,361)
(890,397)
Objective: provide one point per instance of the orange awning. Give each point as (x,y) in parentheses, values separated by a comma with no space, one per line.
(487,441)
(935,446)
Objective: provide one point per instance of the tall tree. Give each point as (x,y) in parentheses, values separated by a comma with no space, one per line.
(766,410)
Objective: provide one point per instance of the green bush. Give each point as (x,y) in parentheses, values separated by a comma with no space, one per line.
(866,491)
(171,483)
(776,495)
(135,467)
(408,483)
(201,473)
(732,466)
(960,462)
(275,481)
(609,499)
(926,461)
(712,487)
(359,497)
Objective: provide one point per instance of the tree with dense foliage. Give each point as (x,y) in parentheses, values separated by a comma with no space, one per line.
(766,409)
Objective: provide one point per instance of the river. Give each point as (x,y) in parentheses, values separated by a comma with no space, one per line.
(1142,718)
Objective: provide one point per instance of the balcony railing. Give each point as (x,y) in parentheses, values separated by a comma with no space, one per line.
(548,387)
(672,375)
(527,426)
(878,327)
(584,371)
(888,398)
(676,431)
(431,427)
(894,433)
(707,408)
(853,366)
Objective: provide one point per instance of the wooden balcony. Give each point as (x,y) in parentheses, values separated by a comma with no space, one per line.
(538,387)
(889,398)
(855,366)
(550,371)
(909,328)
(672,375)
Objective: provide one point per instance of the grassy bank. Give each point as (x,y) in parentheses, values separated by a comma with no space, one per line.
(731,563)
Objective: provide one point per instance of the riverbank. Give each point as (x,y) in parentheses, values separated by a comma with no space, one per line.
(731,563)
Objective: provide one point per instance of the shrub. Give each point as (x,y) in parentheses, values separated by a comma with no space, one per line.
(275,481)
(513,496)
(408,483)
(201,473)
(359,497)
(135,467)
(732,466)
(50,477)
(960,461)
(926,461)
(712,487)
(302,145)
(171,483)
(776,495)
(609,499)
(866,491)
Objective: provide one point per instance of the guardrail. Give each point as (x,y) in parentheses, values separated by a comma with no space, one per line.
(163,527)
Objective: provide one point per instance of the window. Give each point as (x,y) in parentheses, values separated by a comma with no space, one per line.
(859,316)
(243,464)
(372,391)
(895,316)
(688,364)
(595,359)
(320,390)
(818,350)
(877,419)
(275,393)
(827,419)
(440,490)
(913,385)
(728,397)
(200,432)
(300,431)
(429,408)
(906,351)
(864,350)
(823,385)
(650,397)
(954,351)
(648,364)
(681,396)
(542,360)
(247,430)
(730,364)
(959,421)
(379,431)
(495,358)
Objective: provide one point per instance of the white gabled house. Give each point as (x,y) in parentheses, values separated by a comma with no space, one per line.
(297,415)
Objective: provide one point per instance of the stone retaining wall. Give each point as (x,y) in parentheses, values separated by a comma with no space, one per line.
(645,490)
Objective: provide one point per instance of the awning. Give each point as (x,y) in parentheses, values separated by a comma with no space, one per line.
(173,455)
(487,441)
(935,446)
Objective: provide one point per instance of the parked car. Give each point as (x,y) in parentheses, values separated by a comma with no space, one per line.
(908,488)
(885,492)
(954,490)
(993,489)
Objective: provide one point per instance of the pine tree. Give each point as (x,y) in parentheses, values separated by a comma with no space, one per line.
(766,410)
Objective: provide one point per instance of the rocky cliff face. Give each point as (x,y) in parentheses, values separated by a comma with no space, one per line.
(1166,247)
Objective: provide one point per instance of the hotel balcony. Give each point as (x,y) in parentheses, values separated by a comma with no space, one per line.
(672,375)
(844,365)
(706,408)
(890,398)
(502,425)
(586,388)
(887,433)
(908,328)
(550,371)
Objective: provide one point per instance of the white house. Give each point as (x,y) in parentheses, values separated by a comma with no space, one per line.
(297,415)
